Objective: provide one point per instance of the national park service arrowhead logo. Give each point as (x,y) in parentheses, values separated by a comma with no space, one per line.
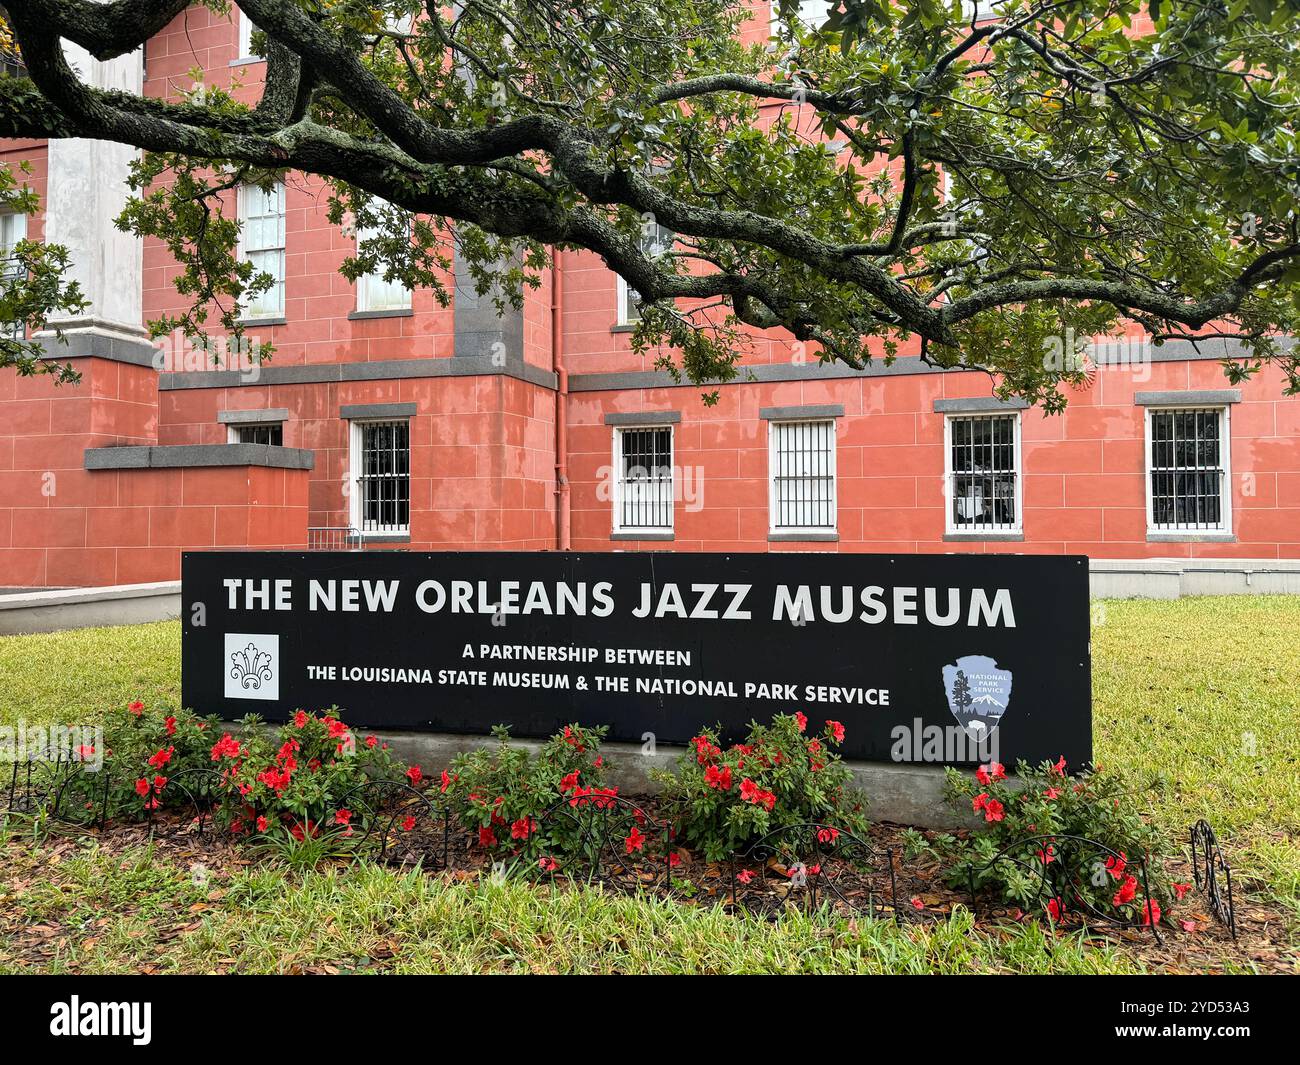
(978,694)
(252,665)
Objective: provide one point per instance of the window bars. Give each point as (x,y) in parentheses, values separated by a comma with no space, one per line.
(268,433)
(644,499)
(982,474)
(263,245)
(384,477)
(803,475)
(1187,469)
(335,538)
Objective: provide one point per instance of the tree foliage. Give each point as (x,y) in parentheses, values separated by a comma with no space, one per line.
(899,172)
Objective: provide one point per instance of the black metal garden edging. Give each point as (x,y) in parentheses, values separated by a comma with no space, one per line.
(1051,858)
(601,823)
(1207,863)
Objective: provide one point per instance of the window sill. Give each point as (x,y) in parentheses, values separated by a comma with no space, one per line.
(1190,536)
(247,60)
(381,538)
(976,537)
(623,327)
(272,320)
(361,316)
(657,535)
(786,537)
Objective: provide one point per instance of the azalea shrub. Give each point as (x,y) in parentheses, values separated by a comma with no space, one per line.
(302,777)
(1043,804)
(530,808)
(723,800)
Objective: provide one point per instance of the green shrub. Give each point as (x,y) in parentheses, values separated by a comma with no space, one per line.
(1046,810)
(723,801)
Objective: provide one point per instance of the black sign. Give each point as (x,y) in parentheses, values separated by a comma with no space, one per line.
(923,658)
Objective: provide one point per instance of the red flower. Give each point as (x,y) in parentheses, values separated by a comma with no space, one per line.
(547,865)
(263,824)
(160,758)
(335,728)
(674,860)
(745,876)
(1048,856)
(1127,891)
(136,707)
(1151,912)
(986,774)
(1051,793)
(828,835)
(169,723)
(226,747)
(447,778)
(1059,767)
(801,719)
(415,774)
(522,828)
(1188,926)
(977,803)
(836,730)
(1115,866)
(917,904)
(1180,890)
(569,783)
(300,719)
(142,787)
(718,777)
(408,823)
(342,817)
(372,741)
(705,751)
(749,791)
(297,830)
(1054,909)
(486,837)
(993,810)
(159,782)
(635,840)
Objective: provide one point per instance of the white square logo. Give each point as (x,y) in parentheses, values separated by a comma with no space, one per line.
(252,665)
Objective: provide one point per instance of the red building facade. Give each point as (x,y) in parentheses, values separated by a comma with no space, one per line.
(395,421)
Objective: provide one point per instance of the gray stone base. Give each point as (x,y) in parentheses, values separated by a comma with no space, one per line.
(52,610)
(902,794)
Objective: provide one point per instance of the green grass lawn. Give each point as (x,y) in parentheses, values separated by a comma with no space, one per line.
(1196,699)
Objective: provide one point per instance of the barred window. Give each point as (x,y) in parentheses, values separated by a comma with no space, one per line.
(262,237)
(643,483)
(1187,460)
(983,456)
(381,496)
(802,463)
(13,228)
(258,433)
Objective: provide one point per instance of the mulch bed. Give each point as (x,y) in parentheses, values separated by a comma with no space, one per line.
(848,889)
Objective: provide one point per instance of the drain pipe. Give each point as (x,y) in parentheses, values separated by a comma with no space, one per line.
(561,404)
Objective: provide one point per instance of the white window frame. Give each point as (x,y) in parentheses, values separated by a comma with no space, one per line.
(232,430)
(13,228)
(773,431)
(244,44)
(812,20)
(618,495)
(356,429)
(628,312)
(951,528)
(979,10)
(370,285)
(249,313)
(1225,525)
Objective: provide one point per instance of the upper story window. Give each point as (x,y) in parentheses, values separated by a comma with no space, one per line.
(643,480)
(1187,470)
(374,292)
(812,13)
(978,10)
(802,464)
(261,213)
(656,242)
(244,49)
(380,460)
(982,473)
(13,228)
(258,433)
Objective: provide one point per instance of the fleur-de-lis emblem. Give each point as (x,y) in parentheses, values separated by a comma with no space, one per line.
(251,667)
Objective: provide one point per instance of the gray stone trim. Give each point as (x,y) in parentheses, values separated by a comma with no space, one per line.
(381,538)
(1191,537)
(1215,397)
(623,327)
(978,405)
(388,370)
(797,537)
(96,345)
(189,455)
(253,417)
(276,319)
(799,413)
(247,60)
(361,316)
(357,411)
(642,536)
(977,537)
(645,417)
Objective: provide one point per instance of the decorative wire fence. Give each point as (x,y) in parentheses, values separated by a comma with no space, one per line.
(335,538)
